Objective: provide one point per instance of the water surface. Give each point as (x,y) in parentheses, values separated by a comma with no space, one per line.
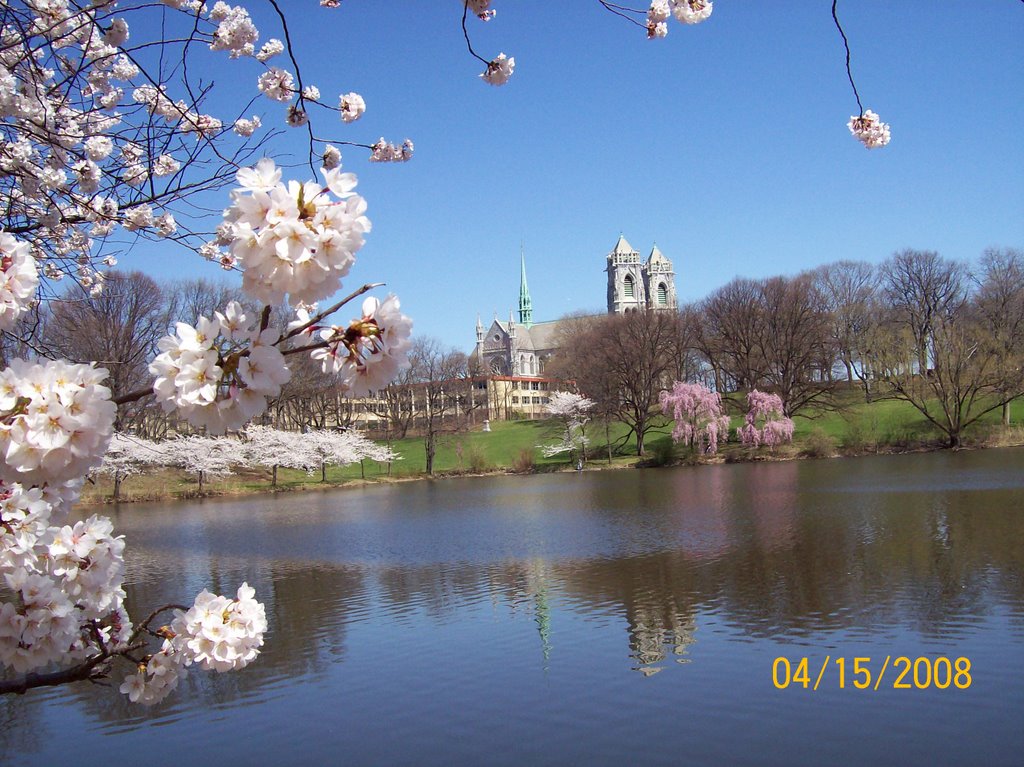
(627,617)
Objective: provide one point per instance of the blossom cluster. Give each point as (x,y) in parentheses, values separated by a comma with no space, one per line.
(371,351)
(18,279)
(869,130)
(217,634)
(67,582)
(55,421)
(499,70)
(385,151)
(294,239)
(218,373)
(684,11)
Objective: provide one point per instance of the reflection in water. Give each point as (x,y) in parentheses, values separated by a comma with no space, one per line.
(455,611)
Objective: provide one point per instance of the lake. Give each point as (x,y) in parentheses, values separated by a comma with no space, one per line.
(606,617)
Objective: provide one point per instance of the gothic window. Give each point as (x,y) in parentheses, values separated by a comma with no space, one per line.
(628,286)
(662,294)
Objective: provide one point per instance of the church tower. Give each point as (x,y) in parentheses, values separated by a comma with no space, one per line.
(660,281)
(525,303)
(627,287)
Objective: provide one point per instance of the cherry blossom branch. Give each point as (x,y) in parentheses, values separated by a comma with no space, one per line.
(846,44)
(327,312)
(87,671)
(133,396)
(622,11)
(465,34)
(144,626)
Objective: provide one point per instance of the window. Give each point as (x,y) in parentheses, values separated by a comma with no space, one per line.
(628,286)
(515,384)
(545,401)
(536,400)
(662,294)
(515,400)
(535,386)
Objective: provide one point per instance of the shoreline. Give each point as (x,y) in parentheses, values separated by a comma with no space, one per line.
(739,455)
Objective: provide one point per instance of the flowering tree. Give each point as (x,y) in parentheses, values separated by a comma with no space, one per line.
(127,455)
(699,417)
(767,410)
(269,447)
(572,411)
(205,457)
(340,448)
(105,140)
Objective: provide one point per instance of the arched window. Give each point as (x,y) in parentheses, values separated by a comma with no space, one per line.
(662,294)
(628,286)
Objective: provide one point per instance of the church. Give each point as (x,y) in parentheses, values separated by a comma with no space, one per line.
(512,355)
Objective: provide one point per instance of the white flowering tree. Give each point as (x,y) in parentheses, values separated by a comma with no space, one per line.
(273,448)
(127,455)
(341,448)
(205,458)
(572,411)
(107,138)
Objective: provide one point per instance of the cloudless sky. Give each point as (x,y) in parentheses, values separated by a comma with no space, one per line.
(725,143)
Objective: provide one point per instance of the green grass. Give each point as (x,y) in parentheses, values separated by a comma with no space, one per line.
(854,427)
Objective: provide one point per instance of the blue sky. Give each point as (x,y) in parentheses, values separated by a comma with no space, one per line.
(725,143)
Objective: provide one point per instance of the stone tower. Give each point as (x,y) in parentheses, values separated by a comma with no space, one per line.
(660,281)
(627,288)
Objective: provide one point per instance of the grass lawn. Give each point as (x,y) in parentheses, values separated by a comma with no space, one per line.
(855,427)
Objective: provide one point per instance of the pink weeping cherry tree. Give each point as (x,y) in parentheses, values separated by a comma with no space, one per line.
(700,420)
(764,423)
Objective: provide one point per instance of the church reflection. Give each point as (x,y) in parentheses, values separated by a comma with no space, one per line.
(785,552)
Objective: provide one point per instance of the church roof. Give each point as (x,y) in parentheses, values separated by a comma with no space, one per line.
(622,246)
(656,255)
(538,337)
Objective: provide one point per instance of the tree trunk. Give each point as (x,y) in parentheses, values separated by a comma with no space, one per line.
(273,479)
(608,439)
(323,471)
(1006,414)
(639,443)
(117,486)
(431,447)
(200,483)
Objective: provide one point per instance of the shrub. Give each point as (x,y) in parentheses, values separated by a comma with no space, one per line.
(819,444)
(662,453)
(477,461)
(524,462)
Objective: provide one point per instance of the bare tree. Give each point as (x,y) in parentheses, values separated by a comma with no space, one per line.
(770,334)
(793,338)
(924,289)
(848,289)
(117,328)
(622,362)
(728,334)
(972,342)
(437,373)
(1000,302)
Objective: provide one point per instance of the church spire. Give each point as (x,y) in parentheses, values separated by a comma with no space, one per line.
(525,303)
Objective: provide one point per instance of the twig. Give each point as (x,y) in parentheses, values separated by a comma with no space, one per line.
(846,44)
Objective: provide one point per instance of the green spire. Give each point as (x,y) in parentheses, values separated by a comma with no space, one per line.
(525,304)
